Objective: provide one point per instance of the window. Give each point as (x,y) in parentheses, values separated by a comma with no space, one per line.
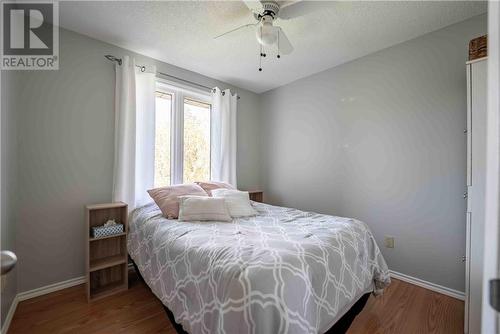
(196,141)
(182,135)
(163,116)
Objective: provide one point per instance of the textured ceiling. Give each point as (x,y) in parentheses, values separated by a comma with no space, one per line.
(181,33)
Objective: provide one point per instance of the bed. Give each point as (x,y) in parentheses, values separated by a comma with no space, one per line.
(282,271)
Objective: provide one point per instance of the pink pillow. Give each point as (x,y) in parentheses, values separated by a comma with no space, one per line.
(211,185)
(167,198)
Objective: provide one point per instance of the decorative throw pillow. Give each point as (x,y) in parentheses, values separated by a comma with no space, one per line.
(211,185)
(167,198)
(202,208)
(237,202)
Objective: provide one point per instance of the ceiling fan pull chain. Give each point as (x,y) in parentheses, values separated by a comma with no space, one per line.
(262,53)
(278,56)
(260,59)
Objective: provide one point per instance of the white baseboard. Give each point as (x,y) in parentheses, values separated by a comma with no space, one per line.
(38,292)
(428,285)
(50,288)
(10,315)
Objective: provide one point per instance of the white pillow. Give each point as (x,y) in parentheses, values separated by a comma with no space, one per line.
(237,202)
(196,208)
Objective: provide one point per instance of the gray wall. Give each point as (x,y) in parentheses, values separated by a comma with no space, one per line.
(8,185)
(65,153)
(381,139)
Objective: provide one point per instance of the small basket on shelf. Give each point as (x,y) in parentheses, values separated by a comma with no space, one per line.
(104,231)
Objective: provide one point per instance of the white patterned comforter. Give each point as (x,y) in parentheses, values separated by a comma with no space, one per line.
(282,271)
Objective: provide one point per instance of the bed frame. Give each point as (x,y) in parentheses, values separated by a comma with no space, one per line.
(340,327)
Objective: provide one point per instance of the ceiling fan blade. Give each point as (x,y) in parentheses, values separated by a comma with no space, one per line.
(284,45)
(254,6)
(299,8)
(236,29)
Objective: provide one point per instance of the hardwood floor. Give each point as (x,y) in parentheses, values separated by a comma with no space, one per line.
(407,308)
(404,308)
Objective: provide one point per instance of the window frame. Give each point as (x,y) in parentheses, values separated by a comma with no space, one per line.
(180,92)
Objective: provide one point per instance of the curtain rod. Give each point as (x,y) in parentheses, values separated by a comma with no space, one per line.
(143,69)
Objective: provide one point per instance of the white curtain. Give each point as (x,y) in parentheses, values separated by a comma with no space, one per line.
(133,171)
(223,141)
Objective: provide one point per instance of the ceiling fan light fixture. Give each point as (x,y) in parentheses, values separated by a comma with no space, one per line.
(266,34)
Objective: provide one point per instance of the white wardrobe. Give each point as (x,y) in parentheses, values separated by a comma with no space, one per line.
(476,173)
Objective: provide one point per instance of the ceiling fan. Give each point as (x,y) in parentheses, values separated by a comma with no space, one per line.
(266,13)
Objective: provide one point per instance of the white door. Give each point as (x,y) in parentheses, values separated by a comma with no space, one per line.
(490,316)
(476,182)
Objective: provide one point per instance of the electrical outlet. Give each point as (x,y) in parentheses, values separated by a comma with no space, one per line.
(389,242)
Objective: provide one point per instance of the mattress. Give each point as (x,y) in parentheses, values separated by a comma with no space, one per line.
(282,271)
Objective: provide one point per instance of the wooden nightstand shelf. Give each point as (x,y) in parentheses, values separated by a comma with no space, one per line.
(256,195)
(106,257)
